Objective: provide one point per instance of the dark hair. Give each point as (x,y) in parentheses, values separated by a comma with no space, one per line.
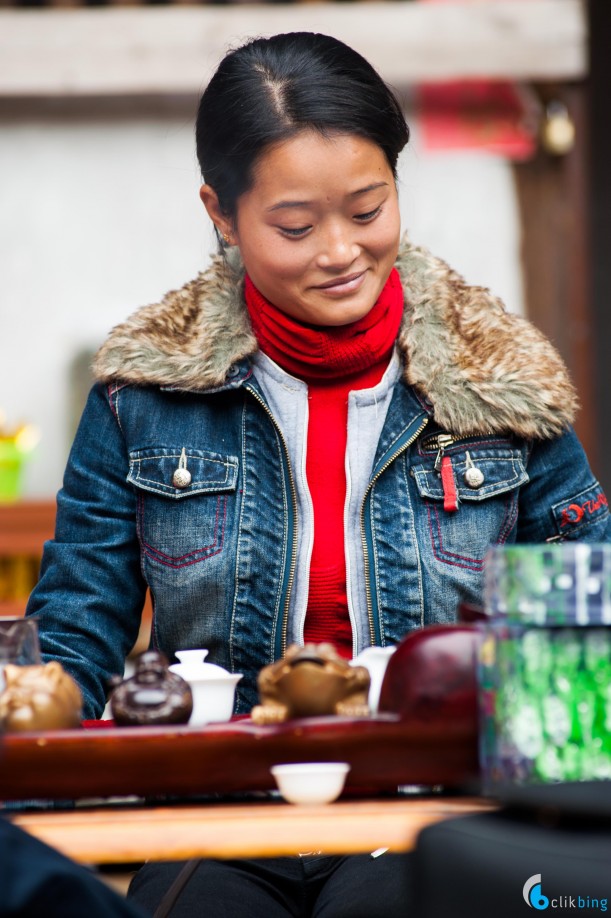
(270,89)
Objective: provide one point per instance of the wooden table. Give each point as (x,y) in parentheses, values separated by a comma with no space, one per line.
(259,829)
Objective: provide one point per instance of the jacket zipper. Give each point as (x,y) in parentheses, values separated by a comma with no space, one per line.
(440,442)
(293,490)
(389,461)
(443,467)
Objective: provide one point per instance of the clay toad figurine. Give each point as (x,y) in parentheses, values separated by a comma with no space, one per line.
(311,681)
(153,695)
(41,697)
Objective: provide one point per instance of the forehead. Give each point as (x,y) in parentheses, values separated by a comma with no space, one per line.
(310,161)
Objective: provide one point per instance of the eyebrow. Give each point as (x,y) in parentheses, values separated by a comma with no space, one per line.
(283,205)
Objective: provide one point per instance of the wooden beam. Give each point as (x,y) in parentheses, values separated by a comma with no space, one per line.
(172,50)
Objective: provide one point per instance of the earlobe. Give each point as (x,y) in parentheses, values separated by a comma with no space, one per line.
(210,201)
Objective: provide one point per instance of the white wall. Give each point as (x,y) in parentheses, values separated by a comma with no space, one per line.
(98,217)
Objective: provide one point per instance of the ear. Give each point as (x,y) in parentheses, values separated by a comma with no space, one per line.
(222,222)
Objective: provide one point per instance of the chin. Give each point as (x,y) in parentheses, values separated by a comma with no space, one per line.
(337,313)
(337,320)
(349,314)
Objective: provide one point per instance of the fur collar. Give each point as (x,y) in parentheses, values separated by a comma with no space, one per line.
(484,371)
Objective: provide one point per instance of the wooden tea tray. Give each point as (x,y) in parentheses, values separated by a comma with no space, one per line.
(234,757)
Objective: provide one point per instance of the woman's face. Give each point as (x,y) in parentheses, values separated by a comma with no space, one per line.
(319,229)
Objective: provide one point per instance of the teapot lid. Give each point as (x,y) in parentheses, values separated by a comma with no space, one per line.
(193,666)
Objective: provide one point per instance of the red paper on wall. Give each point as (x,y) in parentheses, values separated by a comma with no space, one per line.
(487,115)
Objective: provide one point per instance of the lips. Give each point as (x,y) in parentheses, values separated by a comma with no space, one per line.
(340,281)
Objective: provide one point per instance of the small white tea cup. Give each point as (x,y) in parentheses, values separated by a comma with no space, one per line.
(311,782)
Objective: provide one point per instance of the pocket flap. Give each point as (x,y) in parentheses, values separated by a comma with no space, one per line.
(153,470)
(502,470)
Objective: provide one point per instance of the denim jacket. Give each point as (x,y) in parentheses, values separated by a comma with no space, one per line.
(474,448)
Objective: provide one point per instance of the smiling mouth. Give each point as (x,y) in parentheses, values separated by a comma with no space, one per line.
(347,281)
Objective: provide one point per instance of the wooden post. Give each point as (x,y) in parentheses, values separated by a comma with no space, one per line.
(553,197)
(600,222)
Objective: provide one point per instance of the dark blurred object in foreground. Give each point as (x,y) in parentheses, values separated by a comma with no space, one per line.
(36,880)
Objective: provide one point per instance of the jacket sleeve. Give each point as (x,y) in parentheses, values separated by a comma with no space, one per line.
(89,598)
(562,500)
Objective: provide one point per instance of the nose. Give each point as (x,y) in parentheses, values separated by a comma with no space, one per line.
(339,249)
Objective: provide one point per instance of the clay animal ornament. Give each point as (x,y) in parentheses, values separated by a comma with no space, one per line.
(41,697)
(311,681)
(153,695)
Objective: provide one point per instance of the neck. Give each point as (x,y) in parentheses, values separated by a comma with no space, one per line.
(327,352)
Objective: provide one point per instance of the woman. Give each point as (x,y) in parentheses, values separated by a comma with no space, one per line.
(316,439)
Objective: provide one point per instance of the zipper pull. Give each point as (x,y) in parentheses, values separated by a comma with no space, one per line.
(443,440)
(443,464)
(450,494)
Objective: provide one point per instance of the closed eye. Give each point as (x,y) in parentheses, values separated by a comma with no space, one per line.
(294,233)
(364,218)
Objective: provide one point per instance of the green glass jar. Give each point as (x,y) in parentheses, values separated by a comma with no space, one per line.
(545,664)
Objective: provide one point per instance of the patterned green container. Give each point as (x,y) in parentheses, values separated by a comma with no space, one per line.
(545,664)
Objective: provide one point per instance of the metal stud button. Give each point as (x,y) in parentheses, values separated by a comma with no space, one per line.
(182,476)
(474,477)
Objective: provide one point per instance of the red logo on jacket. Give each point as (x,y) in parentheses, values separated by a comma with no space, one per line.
(574,513)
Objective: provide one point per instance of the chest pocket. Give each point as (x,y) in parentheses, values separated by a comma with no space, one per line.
(181,526)
(487,510)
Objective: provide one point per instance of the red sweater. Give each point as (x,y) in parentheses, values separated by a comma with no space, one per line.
(333,361)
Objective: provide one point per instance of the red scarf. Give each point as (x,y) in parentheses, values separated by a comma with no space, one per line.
(333,360)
